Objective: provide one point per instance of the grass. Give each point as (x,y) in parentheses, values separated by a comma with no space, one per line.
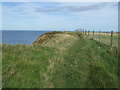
(24,64)
(68,60)
(85,67)
(105,38)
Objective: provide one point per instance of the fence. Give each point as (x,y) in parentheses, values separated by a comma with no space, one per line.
(108,38)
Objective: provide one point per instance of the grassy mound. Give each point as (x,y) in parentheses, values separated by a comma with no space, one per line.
(54,35)
(59,60)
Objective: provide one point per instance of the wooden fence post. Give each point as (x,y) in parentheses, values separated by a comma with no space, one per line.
(88,32)
(83,31)
(111,39)
(93,34)
(99,35)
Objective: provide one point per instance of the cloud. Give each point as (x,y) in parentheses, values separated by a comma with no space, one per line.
(35,16)
(48,10)
(87,8)
(75,8)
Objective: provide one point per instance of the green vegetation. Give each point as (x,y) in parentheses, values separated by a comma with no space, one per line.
(105,38)
(66,60)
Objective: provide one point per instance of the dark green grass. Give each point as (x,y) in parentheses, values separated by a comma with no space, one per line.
(23,65)
(83,64)
(87,64)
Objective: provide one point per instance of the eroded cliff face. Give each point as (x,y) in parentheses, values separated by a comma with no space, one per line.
(46,36)
(57,37)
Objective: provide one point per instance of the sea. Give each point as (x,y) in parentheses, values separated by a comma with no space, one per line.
(20,37)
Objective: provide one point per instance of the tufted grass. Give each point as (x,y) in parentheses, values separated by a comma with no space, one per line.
(65,61)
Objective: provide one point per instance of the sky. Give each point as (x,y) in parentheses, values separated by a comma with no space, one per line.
(63,16)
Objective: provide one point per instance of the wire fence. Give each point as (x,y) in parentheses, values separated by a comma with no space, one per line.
(108,38)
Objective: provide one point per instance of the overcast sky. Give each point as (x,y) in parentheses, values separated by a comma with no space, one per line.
(60,16)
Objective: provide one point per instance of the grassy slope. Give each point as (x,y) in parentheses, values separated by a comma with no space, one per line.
(64,61)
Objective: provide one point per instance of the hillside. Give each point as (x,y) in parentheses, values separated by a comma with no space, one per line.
(60,60)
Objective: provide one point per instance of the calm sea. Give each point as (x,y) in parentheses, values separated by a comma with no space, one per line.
(20,37)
